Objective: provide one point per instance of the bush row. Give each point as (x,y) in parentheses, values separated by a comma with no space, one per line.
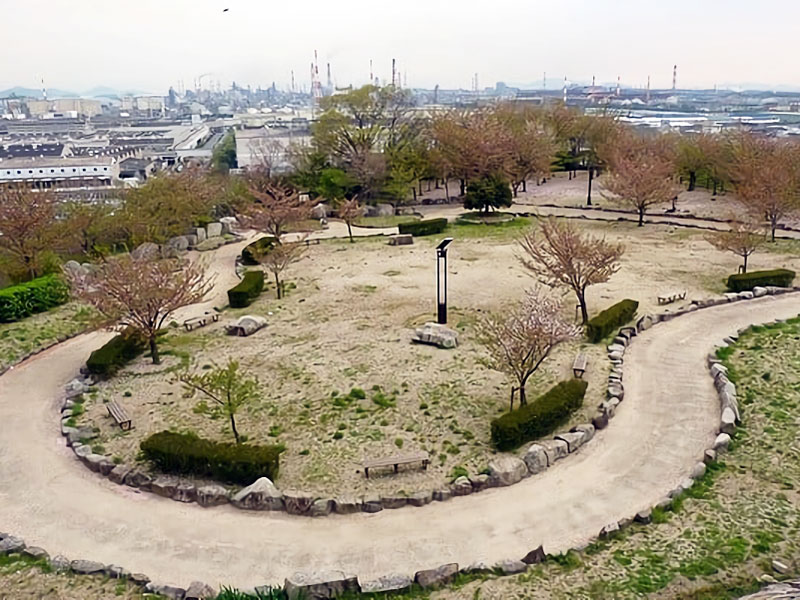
(599,326)
(246,290)
(427,227)
(743,282)
(540,417)
(116,353)
(254,251)
(187,454)
(25,299)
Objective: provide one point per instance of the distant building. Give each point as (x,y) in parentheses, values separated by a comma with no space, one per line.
(81,106)
(59,173)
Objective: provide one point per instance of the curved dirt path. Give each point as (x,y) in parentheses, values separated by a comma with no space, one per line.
(668,418)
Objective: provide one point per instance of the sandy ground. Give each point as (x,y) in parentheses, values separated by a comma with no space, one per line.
(348,325)
(660,431)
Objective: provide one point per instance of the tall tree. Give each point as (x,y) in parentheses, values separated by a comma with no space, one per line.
(521,339)
(488,192)
(640,173)
(141,292)
(743,239)
(560,254)
(223,158)
(276,205)
(532,148)
(227,387)
(349,211)
(766,178)
(28,228)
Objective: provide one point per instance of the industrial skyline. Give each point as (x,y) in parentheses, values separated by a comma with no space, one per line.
(157,45)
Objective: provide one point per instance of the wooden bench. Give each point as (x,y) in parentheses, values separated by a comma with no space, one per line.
(579,365)
(119,415)
(310,241)
(671,297)
(201,321)
(396,461)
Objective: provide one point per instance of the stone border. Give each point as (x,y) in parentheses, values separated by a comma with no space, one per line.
(504,470)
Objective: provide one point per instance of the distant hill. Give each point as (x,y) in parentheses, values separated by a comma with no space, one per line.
(100,91)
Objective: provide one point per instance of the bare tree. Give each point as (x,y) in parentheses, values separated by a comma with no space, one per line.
(227,387)
(279,258)
(276,205)
(743,238)
(144,293)
(519,342)
(349,211)
(766,178)
(28,228)
(267,153)
(641,173)
(560,254)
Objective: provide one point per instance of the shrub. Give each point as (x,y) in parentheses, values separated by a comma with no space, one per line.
(742,282)
(187,454)
(253,252)
(486,193)
(599,326)
(539,417)
(116,353)
(25,299)
(246,290)
(427,227)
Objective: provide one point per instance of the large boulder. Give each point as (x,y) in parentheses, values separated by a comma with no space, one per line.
(387,583)
(210,244)
(172,592)
(165,486)
(87,567)
(200,232)
(213,230)
(536,459)
(320,585)
(212,495)
(555,450)
(147,251)
(198,590)
(179,243)
(297,503)
(346,505)
(436,577)
(118,474)
(228,224)
(461,486)
(321,508)
(436,335)
(260,495)
(380,210)
(507,470)
(10,544)
(574,439)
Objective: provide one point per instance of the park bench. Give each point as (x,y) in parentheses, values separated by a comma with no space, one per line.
(670,297)
(396,461)
(119,415)
(310,241)
(579,365)
(200,321)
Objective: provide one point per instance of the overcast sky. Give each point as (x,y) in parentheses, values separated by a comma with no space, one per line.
(152,44)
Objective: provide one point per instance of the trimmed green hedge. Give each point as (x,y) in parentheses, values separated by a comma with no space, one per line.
(253,252)
(246,290)
(599,326)
(116,353)
(743,282)
(25,299)
(187,454)
(540,417)
(427,227)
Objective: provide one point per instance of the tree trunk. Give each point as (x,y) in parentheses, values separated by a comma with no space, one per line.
(233,428)
(514,188)
(414,190)
(774,226)
(641,217)
(715,188)
(522,399)
(744,266)
(463,187)
(524,185)
(511,404)
(429,185)
(582,302)
(419,182)
(589,194)
(350,232)
(446,189)
(278,286)
(692,181)
(154,350)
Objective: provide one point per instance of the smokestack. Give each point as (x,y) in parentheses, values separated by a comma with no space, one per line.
(371,77)
(674,76)
(330,81)
(565,89)
(648,89)
(592,80)
(394,73)
(618,84)
(544,80)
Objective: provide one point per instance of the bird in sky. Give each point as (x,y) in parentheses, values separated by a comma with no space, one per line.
(225,9)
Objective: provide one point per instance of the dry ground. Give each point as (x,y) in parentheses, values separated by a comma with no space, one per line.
(346,328)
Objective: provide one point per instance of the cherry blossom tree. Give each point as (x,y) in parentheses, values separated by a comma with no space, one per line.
(518,342)
(349,211)
(279,258)
(276,205)
(743,239)
(141,292)
(558,253)
(28,228)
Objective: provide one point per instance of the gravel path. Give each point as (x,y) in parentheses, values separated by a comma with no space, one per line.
(668,418)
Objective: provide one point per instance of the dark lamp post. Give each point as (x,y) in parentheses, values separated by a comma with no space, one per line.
(441,281)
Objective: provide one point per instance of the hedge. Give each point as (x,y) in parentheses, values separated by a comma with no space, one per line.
(252,252)
(599,326)
(187,454)
(742,282)
(116,353)
(427,227)
(246,290)
(25,299)
(540,417)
